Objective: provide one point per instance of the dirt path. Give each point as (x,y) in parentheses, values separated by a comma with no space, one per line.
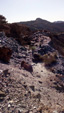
(31,90)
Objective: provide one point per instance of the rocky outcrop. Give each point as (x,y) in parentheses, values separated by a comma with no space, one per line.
(5,54)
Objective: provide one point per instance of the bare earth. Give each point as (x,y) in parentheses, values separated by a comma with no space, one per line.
(30,92)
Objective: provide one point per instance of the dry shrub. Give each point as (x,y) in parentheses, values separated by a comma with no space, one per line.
(5,54)
(2,19)
(5,28)
(37,58)
(32,48)
(49,58)
(19,30)
(21,33)
(15,30)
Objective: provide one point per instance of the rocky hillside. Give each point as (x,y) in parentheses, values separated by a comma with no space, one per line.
(31,75)
(31,67)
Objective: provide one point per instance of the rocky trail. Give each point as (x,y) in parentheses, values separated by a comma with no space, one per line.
(22,91)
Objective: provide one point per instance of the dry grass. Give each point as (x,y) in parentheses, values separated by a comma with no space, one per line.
(49,58)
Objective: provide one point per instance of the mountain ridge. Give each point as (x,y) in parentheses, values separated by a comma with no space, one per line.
(41,24)
(58,22)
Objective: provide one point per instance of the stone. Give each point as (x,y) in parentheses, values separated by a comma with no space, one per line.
(5,72)
(30,112)
(37,96)
(55,111)
(1,71)
(2,95)
(32,87)
(40,82)
(40,109)
(26,66)
(5,54)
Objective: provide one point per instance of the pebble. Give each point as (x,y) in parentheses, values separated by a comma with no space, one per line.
(1,71)
(34,107)
(55,111)
(32,87)
(30,112)
(40,82)
(9,105)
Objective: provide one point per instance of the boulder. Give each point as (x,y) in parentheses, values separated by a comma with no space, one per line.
(26,66)
(5,54)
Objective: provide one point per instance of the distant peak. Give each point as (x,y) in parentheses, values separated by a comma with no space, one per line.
(38,19)
(42,20)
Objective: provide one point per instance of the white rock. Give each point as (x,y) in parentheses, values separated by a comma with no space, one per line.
(55,111)
(9,105)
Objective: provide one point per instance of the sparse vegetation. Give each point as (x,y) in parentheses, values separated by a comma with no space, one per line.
(2,19)
(20,32)
(37,58)
(32,48)
(49,58)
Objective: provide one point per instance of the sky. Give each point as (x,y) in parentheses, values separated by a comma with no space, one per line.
(26,10)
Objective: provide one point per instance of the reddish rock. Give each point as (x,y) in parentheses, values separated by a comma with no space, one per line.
(26,66)
(5,54)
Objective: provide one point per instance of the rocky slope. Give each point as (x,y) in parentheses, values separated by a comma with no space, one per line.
(40,91)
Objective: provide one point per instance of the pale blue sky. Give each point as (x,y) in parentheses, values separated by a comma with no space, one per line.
(25,10)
